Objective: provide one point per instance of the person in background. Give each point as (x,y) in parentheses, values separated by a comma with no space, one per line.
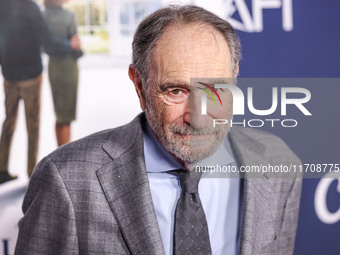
(23,31)
(63,70)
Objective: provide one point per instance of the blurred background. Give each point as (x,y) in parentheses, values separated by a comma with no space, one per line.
(280,38)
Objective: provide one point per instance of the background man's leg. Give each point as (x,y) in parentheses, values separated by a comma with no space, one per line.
(12,98)
(30,92)
(63,133)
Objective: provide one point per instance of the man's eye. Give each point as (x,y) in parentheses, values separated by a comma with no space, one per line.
(175,91)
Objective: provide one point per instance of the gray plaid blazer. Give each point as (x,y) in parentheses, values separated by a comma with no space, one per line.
(92,196)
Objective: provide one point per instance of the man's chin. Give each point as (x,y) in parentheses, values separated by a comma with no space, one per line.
(190,148)
(195,149)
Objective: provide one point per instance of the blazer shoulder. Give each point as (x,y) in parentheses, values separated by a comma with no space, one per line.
(93,148)
(75,165)
(88,148)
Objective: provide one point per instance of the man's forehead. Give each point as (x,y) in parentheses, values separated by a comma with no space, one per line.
(200,32)
(190,51)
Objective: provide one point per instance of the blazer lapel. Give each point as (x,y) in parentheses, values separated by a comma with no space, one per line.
(257,194)
(126,187)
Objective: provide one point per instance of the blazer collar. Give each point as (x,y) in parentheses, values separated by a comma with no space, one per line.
(126,187)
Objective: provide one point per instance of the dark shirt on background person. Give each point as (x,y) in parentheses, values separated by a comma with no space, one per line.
(23,31)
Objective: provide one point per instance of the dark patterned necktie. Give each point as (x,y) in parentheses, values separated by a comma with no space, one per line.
(191,230)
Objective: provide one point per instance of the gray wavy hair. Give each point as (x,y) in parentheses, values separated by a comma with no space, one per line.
(152,27)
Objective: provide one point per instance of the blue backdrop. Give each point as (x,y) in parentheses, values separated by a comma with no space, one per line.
(309,47)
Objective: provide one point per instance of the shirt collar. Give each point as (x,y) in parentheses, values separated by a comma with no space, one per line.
(158,160)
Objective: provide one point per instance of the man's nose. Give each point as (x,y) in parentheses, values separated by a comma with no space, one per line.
(193,112)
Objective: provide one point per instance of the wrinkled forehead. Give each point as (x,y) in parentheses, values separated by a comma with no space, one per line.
(190,51)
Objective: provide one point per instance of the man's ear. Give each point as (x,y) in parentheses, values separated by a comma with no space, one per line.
(137,81)
(237,69)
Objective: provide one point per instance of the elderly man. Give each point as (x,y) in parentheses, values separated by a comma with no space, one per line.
(133,190)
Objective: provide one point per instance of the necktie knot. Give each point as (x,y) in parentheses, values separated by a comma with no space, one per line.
(188,179)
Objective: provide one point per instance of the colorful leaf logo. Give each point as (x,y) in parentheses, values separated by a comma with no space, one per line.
(209,93)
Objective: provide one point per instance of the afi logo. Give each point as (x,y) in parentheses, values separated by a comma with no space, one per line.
(254,23)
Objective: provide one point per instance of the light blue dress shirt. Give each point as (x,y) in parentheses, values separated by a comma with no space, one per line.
(219,196)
